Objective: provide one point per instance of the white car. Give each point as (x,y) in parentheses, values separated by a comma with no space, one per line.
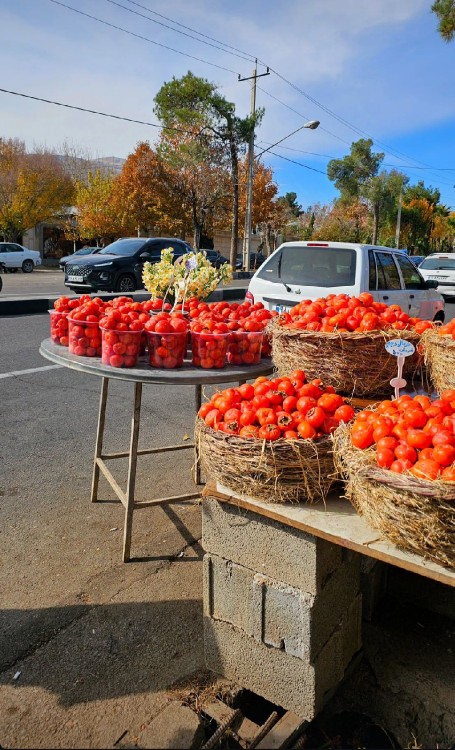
(307,270)
(440,267)
(15,256)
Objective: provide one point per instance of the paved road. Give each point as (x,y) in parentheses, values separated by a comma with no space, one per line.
(45,282)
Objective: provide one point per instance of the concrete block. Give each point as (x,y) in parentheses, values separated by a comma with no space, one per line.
(227,592)
(274,612)
(292,683)
(268,546)
(177,726)
(373,584)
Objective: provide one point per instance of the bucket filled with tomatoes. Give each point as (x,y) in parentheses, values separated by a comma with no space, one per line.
(271,439)
(439,352)
(398,459)
(167,340)
(341,339)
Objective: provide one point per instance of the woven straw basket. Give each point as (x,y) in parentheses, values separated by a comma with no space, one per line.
(356,364)
(415,514)
(279,471)
(439,353)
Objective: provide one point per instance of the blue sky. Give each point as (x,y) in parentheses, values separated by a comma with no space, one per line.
(364,69)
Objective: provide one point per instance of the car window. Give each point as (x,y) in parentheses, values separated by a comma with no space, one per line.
(411,277)
(321,266)
(388,276)
(3,249)
(438,264)
(123,247)
(270,269)
(372,272)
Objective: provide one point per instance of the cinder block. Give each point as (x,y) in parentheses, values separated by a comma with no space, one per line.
(268,546)
(274,612)
(294,684)
(227,592)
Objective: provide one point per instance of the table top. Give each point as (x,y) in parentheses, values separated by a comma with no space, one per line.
(337,521)
(143,373)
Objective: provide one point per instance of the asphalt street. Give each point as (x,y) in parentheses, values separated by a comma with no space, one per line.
(47,282)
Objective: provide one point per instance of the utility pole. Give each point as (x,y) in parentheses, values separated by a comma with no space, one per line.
(249,190)
(397,234)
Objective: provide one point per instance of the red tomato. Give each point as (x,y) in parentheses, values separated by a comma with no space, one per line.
(305,430)
(426,469)
(418,439)
(269,432)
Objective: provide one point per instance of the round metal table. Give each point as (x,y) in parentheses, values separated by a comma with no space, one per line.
(143,373)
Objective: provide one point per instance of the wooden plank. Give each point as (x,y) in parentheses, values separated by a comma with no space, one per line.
(338,522)
(148,451)
(283,732)
(166,500)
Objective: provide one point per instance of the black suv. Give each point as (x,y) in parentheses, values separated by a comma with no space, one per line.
(118,267)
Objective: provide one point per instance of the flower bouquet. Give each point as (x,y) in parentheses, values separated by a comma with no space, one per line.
(192,275)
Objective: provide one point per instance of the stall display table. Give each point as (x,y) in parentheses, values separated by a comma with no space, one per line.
(282,593)
(143,374)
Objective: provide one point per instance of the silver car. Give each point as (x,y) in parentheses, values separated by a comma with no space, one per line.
(14,256)
(440,267)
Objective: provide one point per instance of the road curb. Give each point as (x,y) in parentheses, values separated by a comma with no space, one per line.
(35,305)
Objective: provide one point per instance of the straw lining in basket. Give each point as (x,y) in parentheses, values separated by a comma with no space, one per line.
(415,514)
(439,353)
(356,364)
(279,471)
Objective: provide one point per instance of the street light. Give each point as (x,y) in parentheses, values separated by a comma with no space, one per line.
(311,125)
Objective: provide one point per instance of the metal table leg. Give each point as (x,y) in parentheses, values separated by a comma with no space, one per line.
(99,438)
(132,464)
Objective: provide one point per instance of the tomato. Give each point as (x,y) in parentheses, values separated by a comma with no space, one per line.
(330,402)
(232,415)
(418,439)
(426,469)
(265,416)
(247,417)
(249,432)
(344,413)
(362,438)
(448,474)
(269,432)
(204,410)
(305,403)
(385,457)
(213,417)
(406,452)
(246,391)
(443,437)
(305,430)
(389,442)
(399,466)
(444,454)
(415,417)
(290,404)
(316,416)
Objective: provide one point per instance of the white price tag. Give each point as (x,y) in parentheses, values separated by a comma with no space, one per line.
(400,348)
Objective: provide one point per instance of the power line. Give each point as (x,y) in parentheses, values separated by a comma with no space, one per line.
(306,166)
(160,23)
(144,38)
(195,31)
(95,112)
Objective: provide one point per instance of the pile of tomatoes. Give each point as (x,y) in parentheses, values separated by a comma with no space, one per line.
(448,329)
(343,313)
(411,435)
(167,339)
(59,327)
(288,408)
(84,335)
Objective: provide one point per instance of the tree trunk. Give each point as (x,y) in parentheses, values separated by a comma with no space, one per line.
(375,223)
(235,203)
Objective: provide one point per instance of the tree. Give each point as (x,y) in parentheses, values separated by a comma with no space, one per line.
(195,102)
(137,191)
(445,11)
(96,213)
(33,188)
(341,221)
(193,171)
(290,201)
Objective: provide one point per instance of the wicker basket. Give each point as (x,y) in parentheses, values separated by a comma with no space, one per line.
(439,353)
(415,514)
(279,471)
(356,364)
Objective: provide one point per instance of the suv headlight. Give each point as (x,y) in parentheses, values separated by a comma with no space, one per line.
(102,265)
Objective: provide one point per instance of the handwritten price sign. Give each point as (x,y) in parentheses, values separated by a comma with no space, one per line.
(399,348)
